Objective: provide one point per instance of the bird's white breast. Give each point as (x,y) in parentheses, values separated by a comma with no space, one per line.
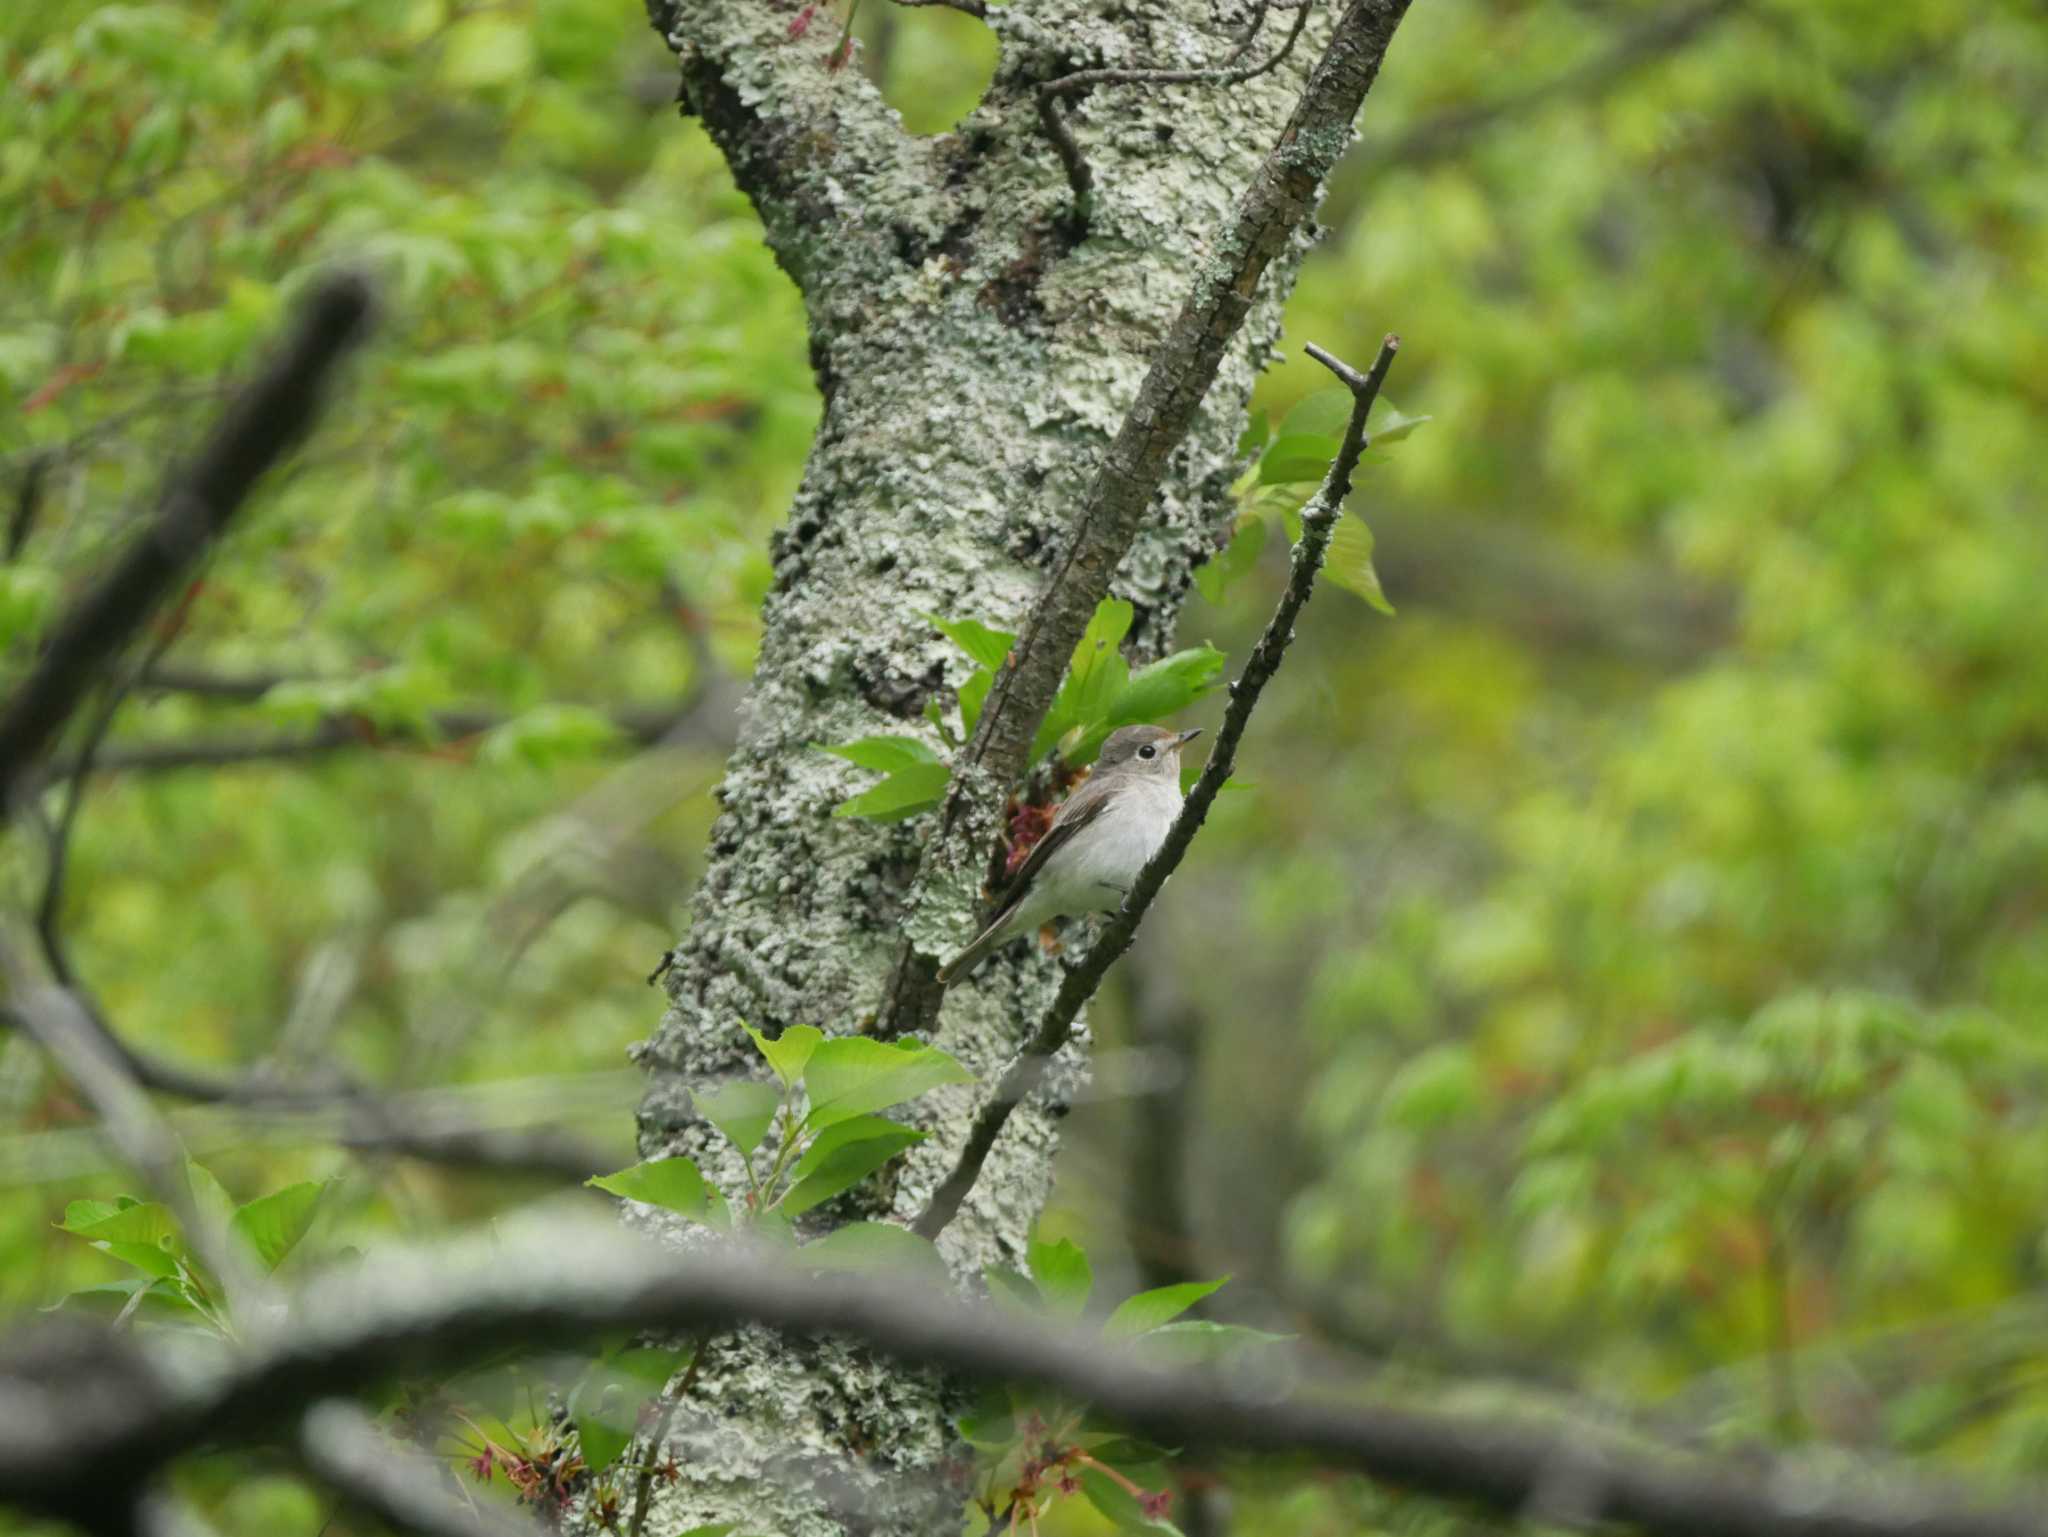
(1092,873)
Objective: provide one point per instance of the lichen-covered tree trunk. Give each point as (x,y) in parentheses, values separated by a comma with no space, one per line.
(976,351)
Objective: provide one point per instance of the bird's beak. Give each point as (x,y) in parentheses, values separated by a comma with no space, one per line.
(1186,737)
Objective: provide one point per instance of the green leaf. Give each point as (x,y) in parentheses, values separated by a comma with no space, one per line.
(1221,571)
(973,693)
(600,1440)
(1096,674)
(1149,1309)
(742,1109)
(80,1215)
(1013,1289)
(884,754)
(1349,562)
(1167,686)
(852,1075)
(788,1052)
(1192,1341)
(674,1184)
(1387,425)
(991,648)
(1063,1275)
(842,1156)
(716,1529)
(214,1203)
(273,1224)
(1292,460)
(1319,414)
(902,795)
(873,1247)
(1120,1505)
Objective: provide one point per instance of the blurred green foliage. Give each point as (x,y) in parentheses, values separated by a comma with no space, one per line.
(1664,1017)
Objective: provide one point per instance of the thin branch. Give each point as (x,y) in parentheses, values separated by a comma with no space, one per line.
(73,1406)
(1274,205)
(1080,174)
(344,1449)
(642,726)
(28,500)
(514,1125)
(1318,521)
(260,424)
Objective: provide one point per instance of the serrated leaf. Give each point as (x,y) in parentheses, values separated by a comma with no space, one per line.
(1063,1274)
(842,1156)
(989,647)
(742,1109)
(1349,562)
(674,1184)
(788,1052)
(902,795)
(872,1247)
(884,754)
(1147,1310)
(1121,1506)
(850,1076)
(272,1225)
(1293,460)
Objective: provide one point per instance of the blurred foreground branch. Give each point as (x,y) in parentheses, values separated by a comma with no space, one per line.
(264,420)
(87,1421)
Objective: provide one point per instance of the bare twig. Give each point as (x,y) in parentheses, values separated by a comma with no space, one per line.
(1274,205)
(1081,175)
(73,1407)
(345,1450)
(1318,520)
(28,500)
(261,423)
(643,1488)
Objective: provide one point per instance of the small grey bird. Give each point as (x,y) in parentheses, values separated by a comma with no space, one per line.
(1099,840)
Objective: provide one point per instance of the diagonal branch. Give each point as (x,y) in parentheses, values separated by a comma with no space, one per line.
(74,1406)
(1318,521)
(263,421)
(1275,204)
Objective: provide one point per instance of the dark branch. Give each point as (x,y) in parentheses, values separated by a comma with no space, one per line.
(1318,520)
(73,1405)
(28,500)
(1081,175)
(641,726)
(260,424)
(1275,204)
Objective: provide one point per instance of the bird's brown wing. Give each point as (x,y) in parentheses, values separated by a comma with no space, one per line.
(1080,809)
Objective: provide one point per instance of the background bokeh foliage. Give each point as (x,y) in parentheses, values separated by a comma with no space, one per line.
(1626,968)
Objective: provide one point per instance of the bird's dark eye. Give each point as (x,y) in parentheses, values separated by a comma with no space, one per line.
(1148,752)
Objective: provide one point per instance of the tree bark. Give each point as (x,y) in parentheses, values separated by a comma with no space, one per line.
(978,352)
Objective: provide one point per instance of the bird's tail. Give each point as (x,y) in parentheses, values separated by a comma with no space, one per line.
(997,933)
